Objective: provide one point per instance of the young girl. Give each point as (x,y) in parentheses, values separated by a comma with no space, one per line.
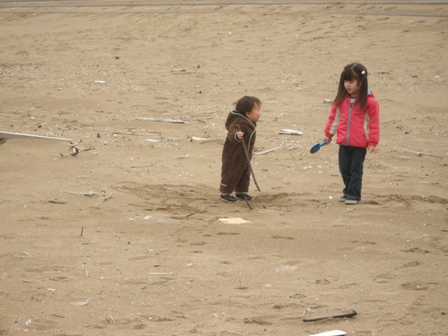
(241,125)
(354,117)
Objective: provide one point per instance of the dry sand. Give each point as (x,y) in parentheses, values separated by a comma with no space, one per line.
(131,225)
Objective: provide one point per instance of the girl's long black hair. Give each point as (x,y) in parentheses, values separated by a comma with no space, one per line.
(353,71)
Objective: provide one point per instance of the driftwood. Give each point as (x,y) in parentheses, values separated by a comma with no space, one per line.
(87,193)
(269,150)
(350,314)
(420,154)
(290,131)
(137,134)
(11,135)
(176,121)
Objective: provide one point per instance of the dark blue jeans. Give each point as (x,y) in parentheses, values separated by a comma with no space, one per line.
(351,164)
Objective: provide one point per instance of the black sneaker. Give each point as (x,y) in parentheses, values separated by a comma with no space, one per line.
(343,198)
(244,196)
(228,198)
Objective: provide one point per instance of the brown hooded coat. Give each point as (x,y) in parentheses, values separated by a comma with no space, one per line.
(235,172)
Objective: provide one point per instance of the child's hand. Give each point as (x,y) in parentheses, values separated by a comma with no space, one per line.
(371,149)
(240,135)
(327,140)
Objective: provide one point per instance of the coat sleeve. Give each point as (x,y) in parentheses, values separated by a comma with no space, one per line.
(233,129)
(332,122)
(374,123)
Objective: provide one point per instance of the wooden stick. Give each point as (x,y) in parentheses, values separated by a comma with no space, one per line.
(290,131)
(138,134)
(419,153)
(247,202)
(250,166)
(351,314)
(176,121)
(269,150)
(9,135)
(87,193)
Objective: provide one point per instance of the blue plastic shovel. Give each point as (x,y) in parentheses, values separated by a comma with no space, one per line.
(317,146)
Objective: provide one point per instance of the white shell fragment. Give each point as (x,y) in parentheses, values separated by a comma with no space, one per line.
(80,303)
(286,268)
(233,221)
(331,333)
(193,138)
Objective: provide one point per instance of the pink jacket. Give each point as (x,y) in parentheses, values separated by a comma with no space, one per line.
(354,127)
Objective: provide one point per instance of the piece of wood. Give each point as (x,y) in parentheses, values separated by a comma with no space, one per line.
(290,131)
(419,153)
(412,152)
(269,150)
(11,135)
(138,134)
(175,121)
(351,314)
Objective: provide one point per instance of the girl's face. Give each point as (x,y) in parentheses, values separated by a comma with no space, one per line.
(255,114)
(352,86)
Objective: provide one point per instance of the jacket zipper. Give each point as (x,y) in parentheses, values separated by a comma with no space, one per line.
(347,135)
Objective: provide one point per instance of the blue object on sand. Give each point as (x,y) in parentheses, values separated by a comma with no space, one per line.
(317,146)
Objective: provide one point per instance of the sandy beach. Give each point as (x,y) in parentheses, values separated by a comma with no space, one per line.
(129,237)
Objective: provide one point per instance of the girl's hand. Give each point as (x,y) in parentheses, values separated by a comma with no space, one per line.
(327,140)
(371,149)
(240,135)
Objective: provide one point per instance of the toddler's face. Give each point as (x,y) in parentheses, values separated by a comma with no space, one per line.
(255,114)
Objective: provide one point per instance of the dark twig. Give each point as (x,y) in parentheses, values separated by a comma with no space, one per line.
(351,314)
(248,203)
(250,166)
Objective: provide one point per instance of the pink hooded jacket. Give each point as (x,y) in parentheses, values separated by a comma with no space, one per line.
(354,127)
